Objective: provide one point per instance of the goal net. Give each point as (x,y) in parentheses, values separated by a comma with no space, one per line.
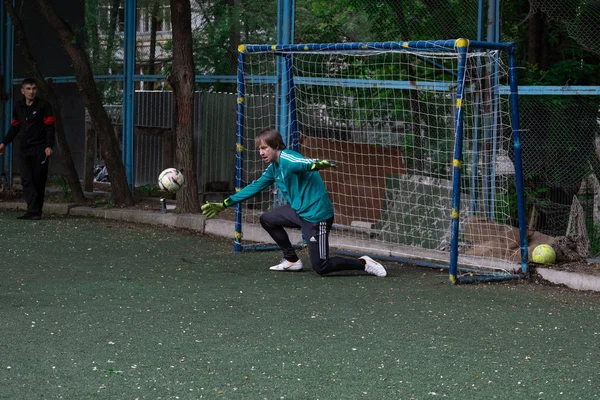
(422,135)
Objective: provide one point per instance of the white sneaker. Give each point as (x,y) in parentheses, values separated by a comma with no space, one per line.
(373,267)
(286,265)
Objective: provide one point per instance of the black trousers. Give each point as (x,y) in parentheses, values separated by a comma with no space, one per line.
(33,178)
(316,236)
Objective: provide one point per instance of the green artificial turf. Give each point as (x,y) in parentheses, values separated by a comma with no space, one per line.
(96,309)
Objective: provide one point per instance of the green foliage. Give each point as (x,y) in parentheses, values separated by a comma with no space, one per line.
(330,22)
(561,132)
(102,35)
(64,187)
(508,202)
(559,141)
(533,195)
(103,42)
(384,20)
(564,72)
(226,25)
(564,52)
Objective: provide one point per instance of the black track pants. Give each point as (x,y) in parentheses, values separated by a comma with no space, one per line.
(33,178)
(316,236)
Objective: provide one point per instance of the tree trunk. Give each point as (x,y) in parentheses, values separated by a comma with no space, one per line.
(181,78)
(153,29)
(235,35)
(537,44)
(112,32)
(48,92)
(111,152)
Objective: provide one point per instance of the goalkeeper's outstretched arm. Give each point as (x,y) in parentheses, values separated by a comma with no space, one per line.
(211,210)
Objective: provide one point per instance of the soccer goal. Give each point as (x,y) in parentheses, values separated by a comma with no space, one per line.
(426,135)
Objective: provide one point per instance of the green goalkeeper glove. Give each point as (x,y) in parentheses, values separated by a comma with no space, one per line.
(212,209)
(323,164)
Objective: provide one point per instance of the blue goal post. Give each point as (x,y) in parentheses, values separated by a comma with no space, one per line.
(428,141)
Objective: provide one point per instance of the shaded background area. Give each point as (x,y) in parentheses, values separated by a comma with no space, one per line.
(558,63)
(51,59)
(92,308)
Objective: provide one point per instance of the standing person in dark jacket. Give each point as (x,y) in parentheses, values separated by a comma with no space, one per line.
(33,117)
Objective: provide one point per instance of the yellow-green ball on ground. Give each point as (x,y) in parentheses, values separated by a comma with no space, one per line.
(543,254)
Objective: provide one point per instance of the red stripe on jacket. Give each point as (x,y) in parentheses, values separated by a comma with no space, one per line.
(15,123)
(49,120)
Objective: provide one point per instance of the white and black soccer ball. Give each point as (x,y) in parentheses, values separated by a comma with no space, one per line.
(170,180)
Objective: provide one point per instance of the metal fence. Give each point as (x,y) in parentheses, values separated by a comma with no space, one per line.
(560,155)
(559,136)
(560,127)
(214,138)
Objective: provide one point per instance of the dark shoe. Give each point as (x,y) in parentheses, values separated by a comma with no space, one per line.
(29,216)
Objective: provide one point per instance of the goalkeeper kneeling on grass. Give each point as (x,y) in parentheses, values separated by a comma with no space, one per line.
(308,208)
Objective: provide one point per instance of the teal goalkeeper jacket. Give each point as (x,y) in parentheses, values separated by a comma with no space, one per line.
(299,184)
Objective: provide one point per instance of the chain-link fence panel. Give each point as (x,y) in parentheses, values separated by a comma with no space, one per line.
(579,18)
(557,40)
(384,20)
(558,46)
(559,156)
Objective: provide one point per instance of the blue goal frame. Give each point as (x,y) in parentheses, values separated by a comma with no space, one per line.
(287,113)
